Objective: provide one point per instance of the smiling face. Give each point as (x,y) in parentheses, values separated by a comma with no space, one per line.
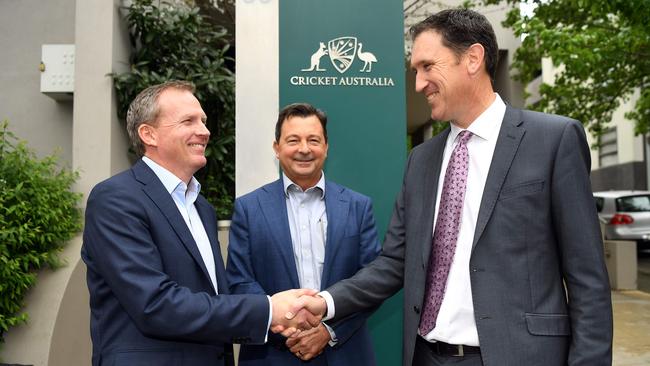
(178,138)
(441,76)
(302,150)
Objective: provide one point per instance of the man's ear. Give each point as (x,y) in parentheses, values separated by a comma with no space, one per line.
(276,148)
(475,59)
(148,135)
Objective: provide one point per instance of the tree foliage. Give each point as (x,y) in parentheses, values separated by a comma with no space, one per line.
(604,49)
(171,41)
(38,215)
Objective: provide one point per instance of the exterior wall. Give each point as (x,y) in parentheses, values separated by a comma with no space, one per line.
(631,170)
(94,143)
(626,176)
(25,25)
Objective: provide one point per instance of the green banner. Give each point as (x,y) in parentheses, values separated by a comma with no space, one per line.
(347,58)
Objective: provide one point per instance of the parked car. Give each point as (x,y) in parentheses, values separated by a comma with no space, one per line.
(625,215)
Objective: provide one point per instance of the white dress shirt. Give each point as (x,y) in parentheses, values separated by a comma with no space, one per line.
(455,323)
(184,197)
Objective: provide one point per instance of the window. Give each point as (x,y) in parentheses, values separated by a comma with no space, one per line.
(600,202)
(608,151)
(633,204)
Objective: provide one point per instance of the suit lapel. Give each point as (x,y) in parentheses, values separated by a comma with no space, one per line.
(430,182)
(506,148)
(155,190)
(274,208)
(208,218)
(337,206)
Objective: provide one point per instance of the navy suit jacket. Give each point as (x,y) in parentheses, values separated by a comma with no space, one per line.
(539,285)
(261,261)
(151,300)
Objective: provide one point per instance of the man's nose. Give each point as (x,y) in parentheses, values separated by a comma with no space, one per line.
(420,83)
(303,147)
(203,130)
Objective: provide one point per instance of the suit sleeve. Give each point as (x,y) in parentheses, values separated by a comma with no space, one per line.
(581,248)
(240,273)
(369,249)
(382,277)
(119,248)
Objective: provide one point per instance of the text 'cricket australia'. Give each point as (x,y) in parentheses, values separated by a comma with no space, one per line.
(341,81)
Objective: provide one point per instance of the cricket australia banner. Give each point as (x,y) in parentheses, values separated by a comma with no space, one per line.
(346,57)
(342,53)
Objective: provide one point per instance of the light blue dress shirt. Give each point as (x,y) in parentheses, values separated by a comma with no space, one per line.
(308,225)
(184,197)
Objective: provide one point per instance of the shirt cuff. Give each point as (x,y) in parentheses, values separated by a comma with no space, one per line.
(333,340)
(268,325)
(329,314)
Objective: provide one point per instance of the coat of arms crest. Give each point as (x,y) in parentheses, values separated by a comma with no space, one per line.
(342,51)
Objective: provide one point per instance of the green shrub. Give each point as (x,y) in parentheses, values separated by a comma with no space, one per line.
(176,42)
(38,215)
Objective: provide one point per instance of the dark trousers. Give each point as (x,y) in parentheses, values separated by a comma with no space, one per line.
(424,356)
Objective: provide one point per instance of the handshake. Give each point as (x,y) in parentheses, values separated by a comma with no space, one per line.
(296,310)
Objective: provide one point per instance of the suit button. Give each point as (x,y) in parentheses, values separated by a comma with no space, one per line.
(416,309)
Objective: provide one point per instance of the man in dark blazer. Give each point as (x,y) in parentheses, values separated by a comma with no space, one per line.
(527,284)
(157,283)
(303,231)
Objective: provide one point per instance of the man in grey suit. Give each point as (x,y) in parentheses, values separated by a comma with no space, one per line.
(494,236)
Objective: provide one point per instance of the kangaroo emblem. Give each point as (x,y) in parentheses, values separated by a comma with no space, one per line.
(315,59)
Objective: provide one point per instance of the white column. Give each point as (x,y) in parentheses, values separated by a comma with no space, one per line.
(257,93)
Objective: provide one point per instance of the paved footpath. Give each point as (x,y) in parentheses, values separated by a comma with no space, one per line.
(631,328)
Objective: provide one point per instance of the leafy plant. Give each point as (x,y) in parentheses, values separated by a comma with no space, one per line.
(38,215)
(172,41)
(603,47)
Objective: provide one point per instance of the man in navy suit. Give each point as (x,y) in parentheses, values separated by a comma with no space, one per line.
(157,283)
(303,231)
(522,279)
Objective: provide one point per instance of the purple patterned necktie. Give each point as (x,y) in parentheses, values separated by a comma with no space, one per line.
(446,232)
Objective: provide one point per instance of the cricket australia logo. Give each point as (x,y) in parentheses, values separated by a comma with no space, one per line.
(342,52)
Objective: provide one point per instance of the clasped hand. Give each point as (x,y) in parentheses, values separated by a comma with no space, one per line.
(296,310)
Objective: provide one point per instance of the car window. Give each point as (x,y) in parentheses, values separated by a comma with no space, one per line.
(633,203)
(599,203)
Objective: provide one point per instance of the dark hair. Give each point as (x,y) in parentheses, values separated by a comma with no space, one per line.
(461,28)
(145,109)
(300,110)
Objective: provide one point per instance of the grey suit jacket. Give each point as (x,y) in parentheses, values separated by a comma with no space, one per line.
(539,284)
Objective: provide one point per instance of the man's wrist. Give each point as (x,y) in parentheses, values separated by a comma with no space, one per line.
(333,340)
(329,301)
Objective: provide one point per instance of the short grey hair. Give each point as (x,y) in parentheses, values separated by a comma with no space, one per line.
(145,109)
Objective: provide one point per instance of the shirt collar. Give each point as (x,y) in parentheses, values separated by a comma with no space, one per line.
(169,180)
(288,183)
(484,125)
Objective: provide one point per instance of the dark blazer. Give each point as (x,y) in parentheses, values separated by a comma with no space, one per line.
(151,300)
(261,261)
(537,241)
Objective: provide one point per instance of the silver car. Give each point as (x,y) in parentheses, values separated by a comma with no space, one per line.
(625,215)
